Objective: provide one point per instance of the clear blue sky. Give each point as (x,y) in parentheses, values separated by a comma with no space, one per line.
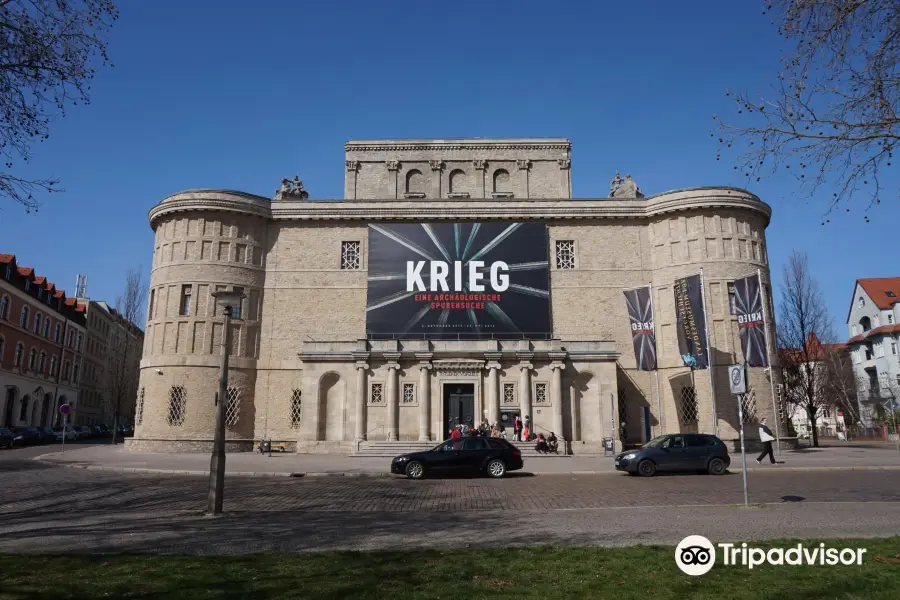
(238,95)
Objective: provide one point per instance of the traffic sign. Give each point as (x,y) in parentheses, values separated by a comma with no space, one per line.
(64,409)
(737,378)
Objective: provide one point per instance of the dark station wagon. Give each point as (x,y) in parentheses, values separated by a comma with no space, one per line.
(682,452)
(468,455)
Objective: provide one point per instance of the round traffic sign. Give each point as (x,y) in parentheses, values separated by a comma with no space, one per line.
(736,376)
(64,409)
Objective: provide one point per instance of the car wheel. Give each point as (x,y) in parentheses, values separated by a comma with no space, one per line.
(646,468)
(415,470)
(496,468)
(716,467)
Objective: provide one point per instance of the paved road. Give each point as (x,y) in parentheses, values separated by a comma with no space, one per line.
(49,508)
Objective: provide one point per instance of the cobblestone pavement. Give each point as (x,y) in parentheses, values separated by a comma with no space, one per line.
(50,508)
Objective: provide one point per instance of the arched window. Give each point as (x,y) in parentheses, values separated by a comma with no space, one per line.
(866,324)
(56,333)
(32,358)
(37,322)
(458,182)
(2,346)
(17,357)
(75,374)
(46,327)
(42,362)
(79,342)
(415,182)
(70,339)
(4,308)
(501,182)
(23,408)
(862,301)
(65,372)
(23,318)
(53,365)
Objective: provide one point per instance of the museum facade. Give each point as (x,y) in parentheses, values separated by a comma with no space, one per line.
(456,281)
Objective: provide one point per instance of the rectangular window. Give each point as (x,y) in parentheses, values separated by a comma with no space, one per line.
(184,307)
(241,253)
(890,318)
(350,256)
(376,395)
(883,380)
(409,393)
(27,285)
(732,306)
(540,393)
(152,298)
(509,393)
(565,254)
(894,348)
(237,311)
(879,349)
(8,272)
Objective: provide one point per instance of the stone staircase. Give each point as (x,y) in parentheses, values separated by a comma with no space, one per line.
(385,449)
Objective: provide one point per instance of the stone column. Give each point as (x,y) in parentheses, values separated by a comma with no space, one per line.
(493,392)
(436,167)
(361,400)
(480,165)
(525,389)
(393,169)
(523,165)
(424,402)
(565,183)
(393,426)
(556,399)
(352,170)
(576,414)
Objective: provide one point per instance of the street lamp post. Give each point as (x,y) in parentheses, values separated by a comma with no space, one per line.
(227,301)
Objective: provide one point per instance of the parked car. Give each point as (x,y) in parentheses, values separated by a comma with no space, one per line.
(8,439)
(105,431)
(673,453)
(83,432)
(47,434)
(69,433)
(27,436)
(472,455)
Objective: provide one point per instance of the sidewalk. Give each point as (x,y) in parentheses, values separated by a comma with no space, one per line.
(116,458)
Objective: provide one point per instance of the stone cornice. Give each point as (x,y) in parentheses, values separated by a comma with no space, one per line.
(444,209)
(419,145)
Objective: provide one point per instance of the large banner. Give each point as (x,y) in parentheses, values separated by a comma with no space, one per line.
(458,280)
(691,322)
(640,313)
(748,308)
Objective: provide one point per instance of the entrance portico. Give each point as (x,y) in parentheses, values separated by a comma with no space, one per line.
(417,390)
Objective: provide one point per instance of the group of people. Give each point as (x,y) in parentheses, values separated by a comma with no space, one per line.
(522,431)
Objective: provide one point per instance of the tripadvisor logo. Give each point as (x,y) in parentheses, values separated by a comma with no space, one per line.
(695,555)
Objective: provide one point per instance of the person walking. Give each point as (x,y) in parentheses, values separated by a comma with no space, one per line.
(766,437)
(517,429)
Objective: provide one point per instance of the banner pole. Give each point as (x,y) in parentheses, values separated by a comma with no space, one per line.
(656,362)
(765,311)
(709,354)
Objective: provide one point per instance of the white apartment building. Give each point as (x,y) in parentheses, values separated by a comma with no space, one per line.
(874,326)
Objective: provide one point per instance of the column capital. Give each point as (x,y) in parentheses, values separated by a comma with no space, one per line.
(362,364)
(352,165)
(425,365)
(523,164)
(436,165)
(493,356)
(480,164)
(393,366)
(392,165)
(558,365)
(493,366)
(564,163)
(526,366)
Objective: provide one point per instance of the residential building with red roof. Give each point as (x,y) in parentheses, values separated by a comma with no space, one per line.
(42,333)
(873,321)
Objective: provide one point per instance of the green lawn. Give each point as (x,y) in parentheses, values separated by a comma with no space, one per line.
(541,573)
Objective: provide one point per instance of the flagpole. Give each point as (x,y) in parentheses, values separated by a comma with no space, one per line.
(656,362)
(765,311)
(709,354)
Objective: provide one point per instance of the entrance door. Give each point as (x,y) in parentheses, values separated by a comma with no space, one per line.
(459,405)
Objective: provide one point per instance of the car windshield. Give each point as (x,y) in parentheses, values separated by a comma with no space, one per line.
(657,441)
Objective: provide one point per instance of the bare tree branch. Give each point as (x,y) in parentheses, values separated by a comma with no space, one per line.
(125,344)
(833,118)
(47,48)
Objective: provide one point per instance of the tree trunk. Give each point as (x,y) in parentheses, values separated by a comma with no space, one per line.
(811,412)
(115,426)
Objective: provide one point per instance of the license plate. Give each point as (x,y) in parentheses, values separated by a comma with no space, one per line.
(618,462)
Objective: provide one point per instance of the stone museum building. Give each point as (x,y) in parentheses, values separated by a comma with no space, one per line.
(456,281)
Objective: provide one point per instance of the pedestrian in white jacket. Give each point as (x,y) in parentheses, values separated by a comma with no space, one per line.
(766,437)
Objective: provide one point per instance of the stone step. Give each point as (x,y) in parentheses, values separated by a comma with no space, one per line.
(386,449)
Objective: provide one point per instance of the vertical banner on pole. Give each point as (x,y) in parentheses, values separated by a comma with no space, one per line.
(712,386)
(643,334)
(691,322)
(748,307)
(764,304)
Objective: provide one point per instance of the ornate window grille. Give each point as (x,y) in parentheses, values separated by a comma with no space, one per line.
(540,393)
(622,405)
(350,255)
(509,393)
(565,254)
(296,409)
(409,393)
(689,410)
(139,408)
(377,394)
(748,406)
(233,406)
(177,405)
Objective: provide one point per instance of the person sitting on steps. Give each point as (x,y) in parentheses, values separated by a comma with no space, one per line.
(553,443)
(541,445)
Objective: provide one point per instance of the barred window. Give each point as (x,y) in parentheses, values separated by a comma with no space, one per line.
(232,406)
(565,254)
(748,406)
(689,411)
(296,409)
(350,255)
(623,405)
(377,393)
(177,405)
(540,393)
(509,393)
(409,393)
(139,408)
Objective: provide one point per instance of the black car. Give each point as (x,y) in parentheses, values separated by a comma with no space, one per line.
(47,434)
(8,439)
(472,455)
(681,452)
(26,436)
